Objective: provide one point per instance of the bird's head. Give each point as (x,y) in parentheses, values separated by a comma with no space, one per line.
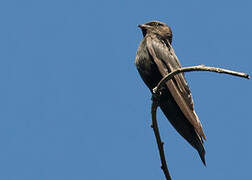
(158,28)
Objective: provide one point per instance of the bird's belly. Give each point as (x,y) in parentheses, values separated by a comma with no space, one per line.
(148,72)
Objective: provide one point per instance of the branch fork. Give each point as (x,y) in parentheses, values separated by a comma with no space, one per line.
(156,93)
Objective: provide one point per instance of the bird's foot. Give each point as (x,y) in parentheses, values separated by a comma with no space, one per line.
(156,97)
(156,94)
(154,90)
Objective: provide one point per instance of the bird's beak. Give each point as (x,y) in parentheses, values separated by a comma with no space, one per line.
(143,26)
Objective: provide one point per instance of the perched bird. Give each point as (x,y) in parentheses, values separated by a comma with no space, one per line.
(156,58)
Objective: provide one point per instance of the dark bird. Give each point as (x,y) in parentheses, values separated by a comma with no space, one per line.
(156,58)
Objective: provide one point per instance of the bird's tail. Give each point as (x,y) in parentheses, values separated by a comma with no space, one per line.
(183,126)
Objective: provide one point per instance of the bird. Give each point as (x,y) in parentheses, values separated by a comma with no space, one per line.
(155,58)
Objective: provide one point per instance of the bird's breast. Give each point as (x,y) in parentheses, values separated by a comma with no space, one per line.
(146,67)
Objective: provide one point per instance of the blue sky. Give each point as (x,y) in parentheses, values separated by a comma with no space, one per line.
(74,107)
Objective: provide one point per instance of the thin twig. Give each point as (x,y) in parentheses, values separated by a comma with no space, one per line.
(155,104)
(197,68)
(158,139)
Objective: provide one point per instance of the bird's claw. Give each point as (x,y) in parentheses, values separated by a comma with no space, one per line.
(154,90)
(156,97)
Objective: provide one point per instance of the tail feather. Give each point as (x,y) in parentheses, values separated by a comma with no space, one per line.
(202,155)
(182,125)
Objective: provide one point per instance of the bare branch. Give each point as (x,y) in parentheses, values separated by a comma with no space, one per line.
(158,139)
(197,68)
(155,104)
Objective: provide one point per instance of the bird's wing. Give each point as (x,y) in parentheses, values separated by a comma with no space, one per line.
(167,61)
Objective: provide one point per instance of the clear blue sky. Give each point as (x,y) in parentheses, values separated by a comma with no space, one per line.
(72,105)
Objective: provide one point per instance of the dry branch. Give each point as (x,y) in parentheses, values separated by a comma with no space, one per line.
(155,104)
(158,139)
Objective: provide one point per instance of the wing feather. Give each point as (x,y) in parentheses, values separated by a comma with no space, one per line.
(167,61)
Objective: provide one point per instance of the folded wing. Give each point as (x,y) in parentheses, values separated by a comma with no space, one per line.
(166,61)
